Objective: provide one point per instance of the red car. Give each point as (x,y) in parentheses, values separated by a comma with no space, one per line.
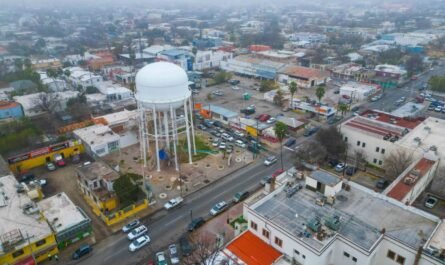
(264,117)
(277,173)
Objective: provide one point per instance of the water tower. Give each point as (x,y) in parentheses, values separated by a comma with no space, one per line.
(161,92)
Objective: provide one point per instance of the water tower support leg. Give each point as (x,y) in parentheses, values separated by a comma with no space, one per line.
(174,135)
(156,139)
(167,136)
(187,129)
(193,127)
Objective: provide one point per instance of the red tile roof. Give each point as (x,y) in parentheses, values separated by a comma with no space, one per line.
(8,104)
(305,72)
(400,190)
(252,250)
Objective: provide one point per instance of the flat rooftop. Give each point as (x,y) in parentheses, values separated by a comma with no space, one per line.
(325,177)
(17,225)
(410,179)
(409,109)
(61,212)
(363,214)
(98,170)
(96,134)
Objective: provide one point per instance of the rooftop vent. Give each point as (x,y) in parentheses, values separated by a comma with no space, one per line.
(333,222)
(427,128)
(433,148)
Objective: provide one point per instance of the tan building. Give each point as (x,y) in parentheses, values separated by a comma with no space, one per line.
(304,77)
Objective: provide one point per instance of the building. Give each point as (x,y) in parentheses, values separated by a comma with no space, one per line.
(25,237)
(375,134)
(358,91)
(351,71)
(324,111)
(96,183)
(103,58)
(210,59)
(98,140)
(314,221)
(82,78)
(304,77)
(53,84)
(180,57)
(114,91)
(119,73)
(122,123)
(387,70)
(249,65)
(218,113)
(10,110)
(45,64)
(68,221)
(57,101)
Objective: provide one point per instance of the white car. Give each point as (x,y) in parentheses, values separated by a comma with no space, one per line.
(271,120)
(128,227)
(239,134)
(160,258)
(227,137)
(340,167)
(240,143)
(222,145)
(174,257)
(137,232)
(219,208)
(173,203)
(215,142)
(270,160)
(139,243)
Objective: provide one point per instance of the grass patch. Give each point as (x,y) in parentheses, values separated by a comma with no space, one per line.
(240,219)
(371,166)
(201,146)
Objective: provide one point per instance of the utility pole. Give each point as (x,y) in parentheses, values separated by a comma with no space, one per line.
(191,215)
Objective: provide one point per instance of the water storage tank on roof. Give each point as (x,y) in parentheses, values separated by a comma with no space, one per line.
(162,85)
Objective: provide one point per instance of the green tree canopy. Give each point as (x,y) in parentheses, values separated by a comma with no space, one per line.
(319,92)
(126,190)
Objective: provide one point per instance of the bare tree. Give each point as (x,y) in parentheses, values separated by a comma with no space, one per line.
(311,152)
(396,162)
(46,101)
(331,139)
(359,159)
(207,248)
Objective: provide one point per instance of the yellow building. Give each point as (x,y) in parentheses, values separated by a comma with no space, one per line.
(45,64)
(96,183)
(23,162)
(25,236)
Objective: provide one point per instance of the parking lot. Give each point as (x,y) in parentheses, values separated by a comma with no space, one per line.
(438,209)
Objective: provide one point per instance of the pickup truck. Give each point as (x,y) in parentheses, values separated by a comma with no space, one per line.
(173,203)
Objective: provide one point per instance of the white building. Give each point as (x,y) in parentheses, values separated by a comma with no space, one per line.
(311,224)
(31,103)
(99,140)
(358,91)
(114,91)
(252,66)
(375,134)
(210,59)
(82,78)
(74,59)
(54,84)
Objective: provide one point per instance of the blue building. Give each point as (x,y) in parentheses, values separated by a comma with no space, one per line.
(10,109)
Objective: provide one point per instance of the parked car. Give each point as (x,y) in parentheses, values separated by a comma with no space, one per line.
(229,149)
(58,159)
(202,127)
(227,137)
(160,258)
(83,250)
(382,184)
(270,160)
(138,243)
(130,226)
(238,134)
(40,182)
(186,247)
(173,203)
(219,208)
(196,223)
(174,256)
(240,143)
(215,142)
(290,142)
(356,108)
(50,166)
(234,82)
(340,167)
(277,173)
(27,178)
(264,117)
(218,93)
(222,146)
(351,171)
(271,120)
(346,97)
(239,196)
(137,232)
(430,202)
(265,180)
(248,111)
(310,131)
(209,123)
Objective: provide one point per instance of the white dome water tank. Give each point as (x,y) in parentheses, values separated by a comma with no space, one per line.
(162,85)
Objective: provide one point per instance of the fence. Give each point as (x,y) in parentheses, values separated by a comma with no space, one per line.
(126,212)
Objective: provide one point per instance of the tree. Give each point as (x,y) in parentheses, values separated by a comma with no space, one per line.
(310,152)
(126,191)
(437,83)
(319,92)
(343,107)
(222,77)
(359,158)
(280,131)
(207,248)
(332,140)
(46,101)
(53,74)
(396,162)
(91,90)
(278,98)
(414,64)
(268,85)
(292,90)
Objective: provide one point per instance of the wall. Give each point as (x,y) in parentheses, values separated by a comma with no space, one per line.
(331,191)
(24,166)
(125,213)
(15,112)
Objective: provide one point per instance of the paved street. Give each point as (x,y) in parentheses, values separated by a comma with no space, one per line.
(164,229)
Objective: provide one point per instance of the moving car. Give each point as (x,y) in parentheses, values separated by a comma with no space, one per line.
(430,202)
(219,208)
(239,196)
(137,232)
(139,242)
(173,251)
(50,166)
(83,250)
(130,226)
(196,223)
(173,203)
(160,258)
(340,167)
(270,160)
